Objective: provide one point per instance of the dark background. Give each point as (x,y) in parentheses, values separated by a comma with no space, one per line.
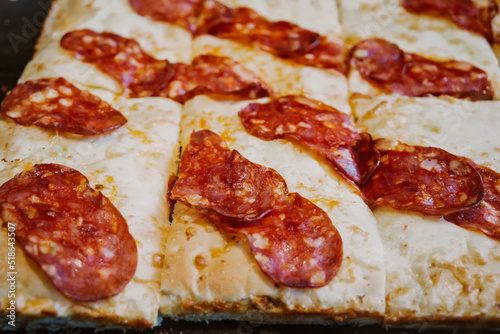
(20,25)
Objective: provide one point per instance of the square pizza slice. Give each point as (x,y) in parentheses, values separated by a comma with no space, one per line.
(115,142)
(211,273)
(396,52)
(60,279)
(441,268)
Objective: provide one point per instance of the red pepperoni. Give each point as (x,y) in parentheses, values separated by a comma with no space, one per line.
(294,244)
(123,59)
(423,179)
(57,104)
(293,241)
(193,15)
(377,60)
(244,25)
(484,216)
(214,178)
(142,75)
(454,78)
(327,55)
(464,13)
(322,128)
(216,76)
(281,38)
(72,232)
(385,65)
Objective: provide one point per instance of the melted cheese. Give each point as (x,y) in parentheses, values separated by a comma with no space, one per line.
(203,266)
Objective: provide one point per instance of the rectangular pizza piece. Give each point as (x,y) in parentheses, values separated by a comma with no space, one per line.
(283,75)
(439,272)
(417,35)
(131,167)
(210,275)
(128,163)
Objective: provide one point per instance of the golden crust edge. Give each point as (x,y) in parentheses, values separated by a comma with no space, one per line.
(265,310)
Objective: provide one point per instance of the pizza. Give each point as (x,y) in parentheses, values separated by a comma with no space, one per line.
(280,162)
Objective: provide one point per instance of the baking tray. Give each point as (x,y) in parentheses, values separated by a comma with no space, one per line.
(21,22)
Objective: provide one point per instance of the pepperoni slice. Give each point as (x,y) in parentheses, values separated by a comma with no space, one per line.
(72,232)
(454,78)
(293,240)
(214,178)
(464,13)
(377,60)
(194,15)
(123,59)
(216,76)
(484,216)
(385,65)
(244,25)
(295,244)
(423,179)
(281,38)
(142,75)
(54,103)
(317,126)
(327,55)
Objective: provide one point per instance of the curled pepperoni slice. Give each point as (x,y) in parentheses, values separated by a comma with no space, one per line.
(213,177)
(193,15)
(377,60)
(72,232)
(244,25)
(54,103)
(142,75)
(293,241)
(454,78)
(327,55)
(484,216)
(216,76)
(296,244)
(464,13)
(423,179)
(385,65)
(281,38)
(323,129)
(122,58)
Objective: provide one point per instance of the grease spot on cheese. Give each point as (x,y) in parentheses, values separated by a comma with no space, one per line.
(157,260)
(201,261)
(191,232)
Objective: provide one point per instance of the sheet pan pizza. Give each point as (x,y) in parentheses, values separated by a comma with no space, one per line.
(281,162)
